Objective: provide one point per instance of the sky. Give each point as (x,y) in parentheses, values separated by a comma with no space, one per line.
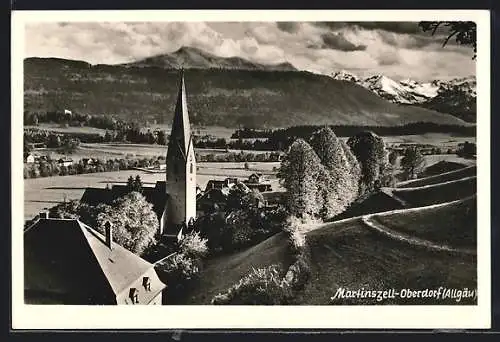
(399,50)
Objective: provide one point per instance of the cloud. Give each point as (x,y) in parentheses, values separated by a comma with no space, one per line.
(337,41)
(388,26)
(394,49)
(288,26)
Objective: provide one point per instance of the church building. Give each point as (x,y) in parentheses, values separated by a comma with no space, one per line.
(174,200)
(180,208)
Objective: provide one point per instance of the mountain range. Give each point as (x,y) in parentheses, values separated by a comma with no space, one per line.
(456,96)
(228,92)
(190,57)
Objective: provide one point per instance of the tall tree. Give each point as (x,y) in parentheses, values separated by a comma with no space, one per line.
(338,182)
(412,162)
(130,184)
(137,184)
(134,222)
(299,174)
(162,138)
(370,151)
(393,157)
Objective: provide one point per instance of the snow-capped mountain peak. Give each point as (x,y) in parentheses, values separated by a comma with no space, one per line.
(455,96)
(343,75)
(400,92)
(408,91)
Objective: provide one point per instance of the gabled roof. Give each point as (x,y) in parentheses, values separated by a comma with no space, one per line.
(70,260)
(120,266)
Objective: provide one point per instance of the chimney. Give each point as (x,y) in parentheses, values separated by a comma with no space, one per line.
(44,214)
(109,233)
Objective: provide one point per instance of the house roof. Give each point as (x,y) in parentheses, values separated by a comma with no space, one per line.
(68,257)
(157,195)
(274,196)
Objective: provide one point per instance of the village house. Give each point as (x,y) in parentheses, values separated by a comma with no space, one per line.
(221,184)
(87,161)
(68,262)
(65,161)
(258,182)
(274,198)
(30,158)
(211,200)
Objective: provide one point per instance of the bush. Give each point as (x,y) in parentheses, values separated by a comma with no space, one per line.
(294,228)
(179,272)
(263,286)
(194,246)
(299,272)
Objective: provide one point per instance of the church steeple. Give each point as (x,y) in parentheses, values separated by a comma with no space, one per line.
(181,132)
(181,169)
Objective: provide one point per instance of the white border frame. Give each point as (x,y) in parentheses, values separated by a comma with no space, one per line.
(184,317)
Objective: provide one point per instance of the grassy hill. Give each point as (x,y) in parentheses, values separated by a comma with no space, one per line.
(453,224)
(441,167)
(350,255)
(217,97)
(440,178)
(437,193)
(353,255)
(373,203)
(223,272)
(440,188)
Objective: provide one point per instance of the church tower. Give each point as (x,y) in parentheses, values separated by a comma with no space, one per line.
(181,170)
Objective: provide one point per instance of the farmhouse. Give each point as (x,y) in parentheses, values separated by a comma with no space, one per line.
(68,262)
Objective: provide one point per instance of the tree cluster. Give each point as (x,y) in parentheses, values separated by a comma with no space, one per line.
(467,150)
(48,167)
(182,269)
(372,155)
(281,139)
(321,178)
(243,222)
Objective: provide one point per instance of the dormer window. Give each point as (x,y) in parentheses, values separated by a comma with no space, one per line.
(191,168)
(146,283)
(134,295)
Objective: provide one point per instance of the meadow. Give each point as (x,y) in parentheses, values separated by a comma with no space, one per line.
(40,193)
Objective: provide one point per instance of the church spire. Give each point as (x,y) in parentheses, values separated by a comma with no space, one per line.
(181,132)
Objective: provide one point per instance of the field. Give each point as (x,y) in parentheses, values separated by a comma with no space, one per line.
(123,150)
(437,193)
(40,193)
(61,129)
(444,177)
(349,255)
(453,224)
(221,132)
(442,140)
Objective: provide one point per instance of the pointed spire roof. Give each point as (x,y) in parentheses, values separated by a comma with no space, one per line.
(181,131)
